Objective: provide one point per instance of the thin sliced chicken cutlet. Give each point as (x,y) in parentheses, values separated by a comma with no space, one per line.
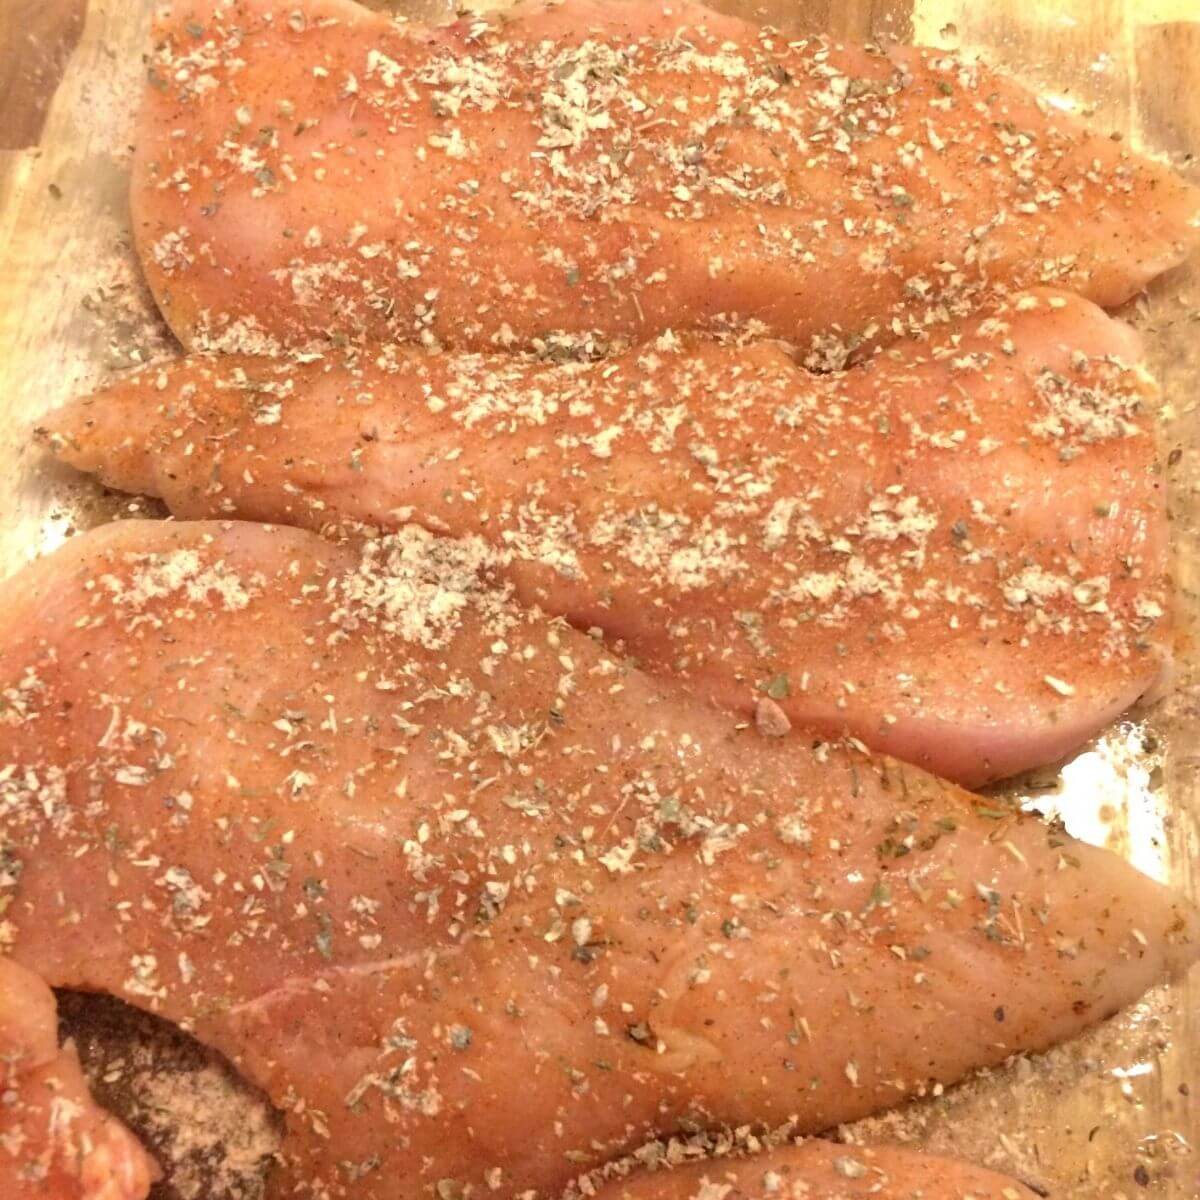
(480,905)
(956,553)
(55,1143)
(602,172)
(821,1171)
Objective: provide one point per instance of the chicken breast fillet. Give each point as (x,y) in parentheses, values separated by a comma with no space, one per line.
(587,173)
(480,906)
(956,553)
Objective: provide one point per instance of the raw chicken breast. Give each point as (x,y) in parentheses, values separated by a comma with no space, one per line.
(820,1171)
(55,1143)
(480,905)
(956,553)
(588,173)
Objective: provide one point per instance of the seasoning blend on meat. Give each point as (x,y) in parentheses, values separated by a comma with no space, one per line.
(397,846)
(955,553)
(477,902)
(596,172)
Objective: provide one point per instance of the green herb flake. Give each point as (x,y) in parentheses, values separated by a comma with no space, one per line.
(778,687)
(324,939)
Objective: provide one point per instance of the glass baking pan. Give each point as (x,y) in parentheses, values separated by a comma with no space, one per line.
(1113,1115)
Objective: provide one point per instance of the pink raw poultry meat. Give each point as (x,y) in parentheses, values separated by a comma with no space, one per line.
(605,171)
(957,552)
(403,850)
(55,1143)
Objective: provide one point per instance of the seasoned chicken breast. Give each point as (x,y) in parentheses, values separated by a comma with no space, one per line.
(587,173)
(956,553)
(480,905)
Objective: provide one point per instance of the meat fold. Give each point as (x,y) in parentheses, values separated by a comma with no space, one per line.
(55,1142)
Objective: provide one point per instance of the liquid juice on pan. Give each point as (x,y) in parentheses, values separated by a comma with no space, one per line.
(1108,1116)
